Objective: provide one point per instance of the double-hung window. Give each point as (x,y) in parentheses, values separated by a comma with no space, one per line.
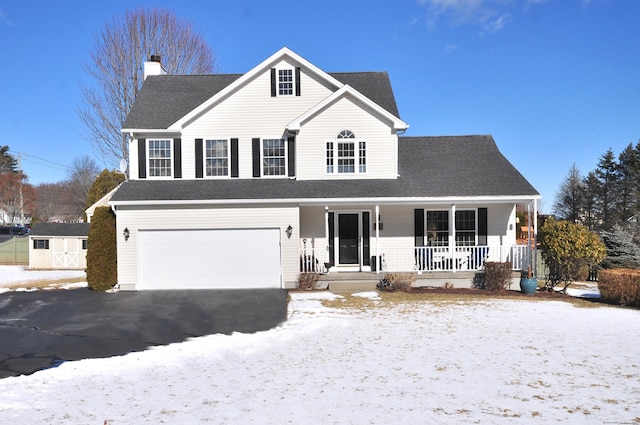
(160,158)
(437,227)
(285,82)
(465,227)
(346,155)
(274,157)
(217,158)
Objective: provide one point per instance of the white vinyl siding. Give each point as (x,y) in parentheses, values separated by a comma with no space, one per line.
(61,252)
(244,115)
(380,149)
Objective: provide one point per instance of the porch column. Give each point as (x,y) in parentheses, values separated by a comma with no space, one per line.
(452,238)
(326,234)
(378,261)
(535,238)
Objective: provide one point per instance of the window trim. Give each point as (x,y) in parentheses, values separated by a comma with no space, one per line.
(332,154)
(205,158)
(285,158)
(443,243)
(170,158)
(40,243)
(280,83)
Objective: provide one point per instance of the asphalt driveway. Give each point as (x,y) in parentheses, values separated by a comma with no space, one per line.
(42,329)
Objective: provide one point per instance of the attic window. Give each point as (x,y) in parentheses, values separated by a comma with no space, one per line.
(285,82)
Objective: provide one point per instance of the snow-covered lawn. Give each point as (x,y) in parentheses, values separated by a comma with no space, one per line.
(460,360)
(22,279)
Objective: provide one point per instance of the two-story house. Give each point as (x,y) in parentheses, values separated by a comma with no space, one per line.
(246,181)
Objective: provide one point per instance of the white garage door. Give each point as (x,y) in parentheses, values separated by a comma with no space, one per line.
(209,259)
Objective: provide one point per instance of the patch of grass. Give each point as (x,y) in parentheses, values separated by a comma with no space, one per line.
(391,299)
(42,283)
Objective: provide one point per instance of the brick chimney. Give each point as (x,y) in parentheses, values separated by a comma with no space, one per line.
(153,66)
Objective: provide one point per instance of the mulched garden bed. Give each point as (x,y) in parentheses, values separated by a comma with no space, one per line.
(486,292)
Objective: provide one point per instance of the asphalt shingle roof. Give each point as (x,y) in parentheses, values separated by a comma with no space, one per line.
(60,229)
(165,99)
(439,167)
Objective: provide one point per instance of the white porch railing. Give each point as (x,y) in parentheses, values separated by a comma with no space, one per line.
(429,258)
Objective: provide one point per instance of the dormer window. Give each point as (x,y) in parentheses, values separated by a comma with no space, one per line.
(346,154)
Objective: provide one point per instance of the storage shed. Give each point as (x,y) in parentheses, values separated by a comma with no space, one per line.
(58,246)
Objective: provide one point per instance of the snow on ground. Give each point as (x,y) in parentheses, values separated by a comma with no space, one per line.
(20,278)
(489,361)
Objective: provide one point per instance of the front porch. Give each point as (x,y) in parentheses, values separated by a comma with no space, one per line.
(423,260)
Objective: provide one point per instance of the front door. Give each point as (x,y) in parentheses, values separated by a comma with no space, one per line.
(348,237)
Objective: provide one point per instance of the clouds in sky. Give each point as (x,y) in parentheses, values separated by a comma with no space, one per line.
(489,15)
(4,19)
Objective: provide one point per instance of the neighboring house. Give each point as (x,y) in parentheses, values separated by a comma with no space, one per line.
(246,181)
(58,246)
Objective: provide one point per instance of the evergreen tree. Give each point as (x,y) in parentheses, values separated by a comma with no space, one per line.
(607,194)
(102,263)
(8,162)
(591,187)
(628,181)
(622,251)
(569,202)
(104,183)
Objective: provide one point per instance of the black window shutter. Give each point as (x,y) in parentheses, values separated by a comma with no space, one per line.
(199,164)
(142,158)
(177,158)
(483,228)
(291,151)
(332,234)
(298,81)
(418,226)
(366,243)
(255,149)
(234,158)
(274,83)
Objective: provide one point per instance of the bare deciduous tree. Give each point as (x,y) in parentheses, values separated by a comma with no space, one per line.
(81,175)
(116,69)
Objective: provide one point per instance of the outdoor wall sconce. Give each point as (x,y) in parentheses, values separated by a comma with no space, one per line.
(289,231)
(126,233)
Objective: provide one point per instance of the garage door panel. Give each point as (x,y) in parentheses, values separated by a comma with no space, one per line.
(209,258)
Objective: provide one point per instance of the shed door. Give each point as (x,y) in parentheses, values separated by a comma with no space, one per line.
(65,253)
(209,259)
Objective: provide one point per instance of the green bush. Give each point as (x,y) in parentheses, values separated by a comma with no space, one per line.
(102,266)
(620,286)
(497,276)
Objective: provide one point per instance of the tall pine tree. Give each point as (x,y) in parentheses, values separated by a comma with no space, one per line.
(607,194)
(569,200)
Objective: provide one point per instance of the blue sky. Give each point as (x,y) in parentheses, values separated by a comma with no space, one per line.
(556,82)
